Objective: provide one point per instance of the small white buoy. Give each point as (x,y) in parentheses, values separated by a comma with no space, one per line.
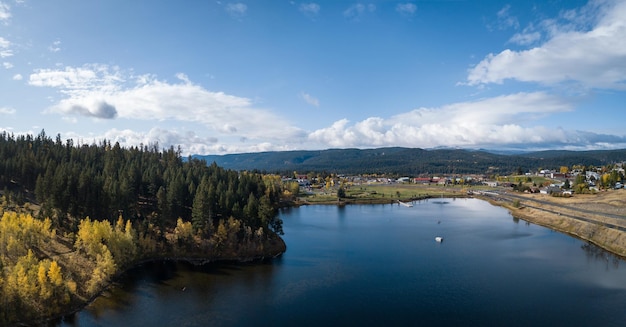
(439,239)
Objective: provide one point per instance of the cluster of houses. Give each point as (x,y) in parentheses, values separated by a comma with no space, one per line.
(561,181)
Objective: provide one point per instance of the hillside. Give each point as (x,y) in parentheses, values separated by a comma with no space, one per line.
(73,217)
(411,161)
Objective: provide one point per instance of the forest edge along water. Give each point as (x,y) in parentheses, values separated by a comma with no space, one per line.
(380,265)
(588,217)
(558,214)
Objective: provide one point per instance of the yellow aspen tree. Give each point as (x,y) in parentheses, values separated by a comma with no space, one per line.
(54,274)
(105,268)
(45,289)
(221,235)
(119,225)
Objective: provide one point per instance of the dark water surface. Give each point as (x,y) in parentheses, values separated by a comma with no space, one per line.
(379,265)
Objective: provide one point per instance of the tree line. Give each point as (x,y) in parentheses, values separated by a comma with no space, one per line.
(411,161)
(142,183)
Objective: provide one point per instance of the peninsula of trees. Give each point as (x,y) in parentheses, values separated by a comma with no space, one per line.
(72,216)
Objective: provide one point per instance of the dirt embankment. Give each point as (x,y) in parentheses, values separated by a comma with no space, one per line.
(598,218)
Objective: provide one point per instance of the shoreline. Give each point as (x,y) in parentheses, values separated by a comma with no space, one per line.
(610,239)
(598,233)
(80,304)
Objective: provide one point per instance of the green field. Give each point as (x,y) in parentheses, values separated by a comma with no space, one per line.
(386,193)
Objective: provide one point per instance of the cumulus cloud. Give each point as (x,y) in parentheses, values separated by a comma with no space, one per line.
(7,65)
(407,9)
(189,141)
(481,123)
(17,77)
(310,99)
(588,48)
(100,109)
(99,91)
(236,10)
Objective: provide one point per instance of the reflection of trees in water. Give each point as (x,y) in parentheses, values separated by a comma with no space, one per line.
(594,252)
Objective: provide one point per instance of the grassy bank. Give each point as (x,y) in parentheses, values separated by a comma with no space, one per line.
(382,193)
(593,218)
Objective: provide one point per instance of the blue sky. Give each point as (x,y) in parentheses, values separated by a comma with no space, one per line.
(219,77)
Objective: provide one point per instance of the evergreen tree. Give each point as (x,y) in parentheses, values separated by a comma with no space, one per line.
(201,211)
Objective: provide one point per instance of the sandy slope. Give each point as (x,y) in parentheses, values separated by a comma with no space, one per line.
(599,218)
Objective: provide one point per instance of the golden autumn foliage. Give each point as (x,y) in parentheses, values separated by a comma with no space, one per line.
(40,274)
(28,284)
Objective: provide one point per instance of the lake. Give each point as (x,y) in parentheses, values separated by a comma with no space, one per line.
(379,265)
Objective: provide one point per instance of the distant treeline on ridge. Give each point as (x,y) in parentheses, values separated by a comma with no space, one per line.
(411,161)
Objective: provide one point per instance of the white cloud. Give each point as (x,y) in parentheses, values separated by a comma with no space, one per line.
(505,20)
(525,38)
(5,48)
(189,141)
(17,77)
(5,12)
(310,99)
(237,10)
(408,9)
(589,49)
(528,36)
(55,46)
(358,10)
(485,122)
(7,65)
(310,8)
(99,91)
(6,111)
(72,80)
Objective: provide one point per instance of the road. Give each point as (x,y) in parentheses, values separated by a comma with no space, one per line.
(560,209)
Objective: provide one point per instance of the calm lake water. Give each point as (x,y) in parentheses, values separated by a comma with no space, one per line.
(379,265)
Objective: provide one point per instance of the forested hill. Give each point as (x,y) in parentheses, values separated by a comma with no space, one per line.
(101,181)
(71,217)
(411,161)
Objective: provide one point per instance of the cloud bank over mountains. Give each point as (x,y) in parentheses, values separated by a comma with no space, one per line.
(556,61)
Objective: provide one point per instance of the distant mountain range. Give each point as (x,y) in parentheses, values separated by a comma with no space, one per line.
(411,161)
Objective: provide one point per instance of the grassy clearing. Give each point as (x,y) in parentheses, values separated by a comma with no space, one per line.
(386,193)
(537,180)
